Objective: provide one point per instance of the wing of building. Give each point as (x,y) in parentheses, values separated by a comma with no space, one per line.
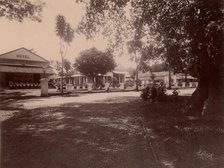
(176,80)
(23,69)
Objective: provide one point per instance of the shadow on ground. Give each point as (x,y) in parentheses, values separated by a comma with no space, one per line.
(76,135)
(109,134)
(184,141)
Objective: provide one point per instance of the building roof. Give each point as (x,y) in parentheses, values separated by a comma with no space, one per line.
(22,60)
(144,75)
(22,54)
(181,75)
(77,75)
(119,72)
(161,75)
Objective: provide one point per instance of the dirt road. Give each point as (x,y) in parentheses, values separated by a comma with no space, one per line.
(91,131)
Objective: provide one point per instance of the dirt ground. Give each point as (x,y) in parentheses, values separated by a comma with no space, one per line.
(95,130)
(104,130)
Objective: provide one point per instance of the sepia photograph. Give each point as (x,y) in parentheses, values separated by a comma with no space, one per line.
(111,84)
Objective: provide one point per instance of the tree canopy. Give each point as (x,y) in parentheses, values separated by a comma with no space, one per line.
(67,67)
(21,9)
(93,62)
(168,23)
(188,34)
(64,32)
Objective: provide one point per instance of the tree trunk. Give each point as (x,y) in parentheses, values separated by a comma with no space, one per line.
(169,78)
(208,98)
(137,78)
(62,74)
(215,101)
(196,103)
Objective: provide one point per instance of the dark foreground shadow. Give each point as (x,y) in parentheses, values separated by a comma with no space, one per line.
(76,135)
(109,134)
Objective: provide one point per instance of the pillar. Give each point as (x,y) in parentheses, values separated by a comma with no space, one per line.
(69,87)
(1,82)
(107,86)
(44,86)
(183,84)
(89,87)
(121,86)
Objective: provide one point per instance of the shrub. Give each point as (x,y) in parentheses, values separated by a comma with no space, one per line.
(145,93)
(129,83)
(154,93)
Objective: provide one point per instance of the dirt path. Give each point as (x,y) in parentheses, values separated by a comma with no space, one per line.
(81,98)
(102,131)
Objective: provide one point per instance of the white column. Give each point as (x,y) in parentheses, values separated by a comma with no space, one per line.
(121,86)
(0,83)
(89,86)
(183,84)
(80,80)
(44,86)
(104,79)
(69,87)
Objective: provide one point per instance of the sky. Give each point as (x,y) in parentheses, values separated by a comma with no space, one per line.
(41,37)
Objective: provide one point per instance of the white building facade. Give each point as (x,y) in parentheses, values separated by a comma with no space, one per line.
(176,80)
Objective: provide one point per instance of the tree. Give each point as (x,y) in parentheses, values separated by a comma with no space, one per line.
(191,32)
(93,62)
(139,56)
(57,65)
(134,47)
(66,35)
(21,9)
(159,67)
(188,36)
(152,76)
(67,67)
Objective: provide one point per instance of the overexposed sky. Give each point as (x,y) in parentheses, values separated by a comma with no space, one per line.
(41,36)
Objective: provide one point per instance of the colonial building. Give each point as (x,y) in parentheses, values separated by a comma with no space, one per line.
(80,81)
(177,80)
(22,68)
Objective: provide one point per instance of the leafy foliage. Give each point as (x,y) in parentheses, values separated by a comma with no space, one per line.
(187,34)
(67,67)
(64,30)
(93,62)
(184,28)
(159,67)
(154,93)
(58,67)
(20,9)
(60,26)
